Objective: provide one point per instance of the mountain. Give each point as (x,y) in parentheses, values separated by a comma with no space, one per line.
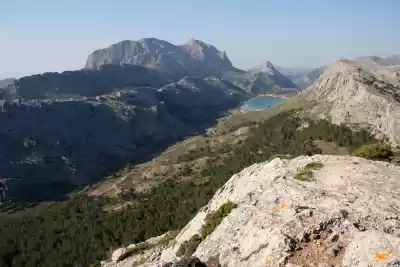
(6,82)
(262,78)
(51,146)
(362,94)
(297,75)
(85,83)
(192,58)
(266,216)
(386,61)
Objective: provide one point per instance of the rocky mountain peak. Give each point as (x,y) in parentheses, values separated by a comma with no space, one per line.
(265,67)
(193,58)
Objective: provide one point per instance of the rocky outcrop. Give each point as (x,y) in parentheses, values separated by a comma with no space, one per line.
(360,94)
(52,146)
(193,58)
(347,215)
(262,78)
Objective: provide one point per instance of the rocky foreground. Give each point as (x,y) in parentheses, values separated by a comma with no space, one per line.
(346,213)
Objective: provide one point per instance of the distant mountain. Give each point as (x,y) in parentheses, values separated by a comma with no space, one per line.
(195,58)
(6,82)
(362,94)
(262,78)
(386,61)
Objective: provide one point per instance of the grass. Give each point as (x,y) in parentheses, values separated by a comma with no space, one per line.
(215,218)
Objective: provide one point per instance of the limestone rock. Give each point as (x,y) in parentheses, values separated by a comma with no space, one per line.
(280,220)
(360,94)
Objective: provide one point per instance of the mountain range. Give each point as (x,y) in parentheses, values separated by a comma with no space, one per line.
(194,58)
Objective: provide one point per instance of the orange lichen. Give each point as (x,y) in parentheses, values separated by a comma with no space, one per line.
(278,207)
(383,255)
(266,260)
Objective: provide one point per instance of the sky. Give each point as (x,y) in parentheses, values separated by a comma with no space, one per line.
(55,35)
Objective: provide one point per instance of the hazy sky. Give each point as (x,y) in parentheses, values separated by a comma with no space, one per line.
(55,35)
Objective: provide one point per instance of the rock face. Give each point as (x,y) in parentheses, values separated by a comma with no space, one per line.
(361,94)
(193,58)
(262,78)
(53,145)
(348,215)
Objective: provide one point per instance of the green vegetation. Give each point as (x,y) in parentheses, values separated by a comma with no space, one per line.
(146,246)
(379,150)
(187,248)
(79,232)
(314,165)
(139,262)
(305,175)
(214,219)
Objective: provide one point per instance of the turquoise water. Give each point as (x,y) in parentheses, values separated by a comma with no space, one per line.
(261,102)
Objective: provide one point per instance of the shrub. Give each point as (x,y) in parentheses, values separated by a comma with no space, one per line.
(379,150)
(214,219)
(314,166)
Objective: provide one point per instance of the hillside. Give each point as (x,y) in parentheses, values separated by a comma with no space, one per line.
(62,144)
(360,94)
